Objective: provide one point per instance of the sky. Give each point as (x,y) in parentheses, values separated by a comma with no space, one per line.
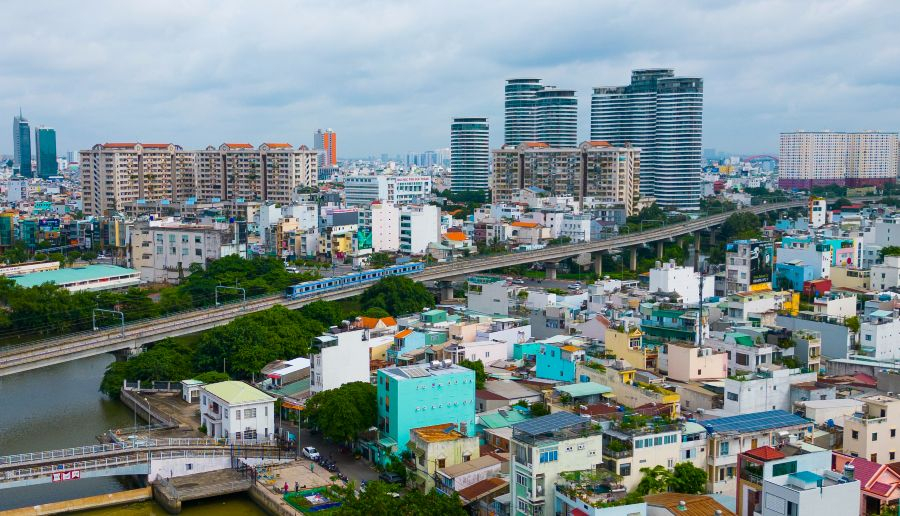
(389,76)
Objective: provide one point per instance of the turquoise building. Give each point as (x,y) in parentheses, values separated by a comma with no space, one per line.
(526,350)
(423,395)
(558,362)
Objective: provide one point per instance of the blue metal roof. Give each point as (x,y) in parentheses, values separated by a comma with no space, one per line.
(549,423)
(768,420)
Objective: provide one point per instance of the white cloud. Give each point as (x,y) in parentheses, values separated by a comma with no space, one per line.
(389,76)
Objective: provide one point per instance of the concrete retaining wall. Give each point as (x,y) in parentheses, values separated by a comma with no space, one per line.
(83,504)
(270,502)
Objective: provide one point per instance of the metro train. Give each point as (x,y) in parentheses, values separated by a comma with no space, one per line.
(311,288)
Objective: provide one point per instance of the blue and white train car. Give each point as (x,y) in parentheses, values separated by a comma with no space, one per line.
(311,288)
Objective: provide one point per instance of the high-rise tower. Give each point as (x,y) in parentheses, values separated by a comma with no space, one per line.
(557,117)
(21,145)
(45,149)
(663,116)
(326,143)
(469,154)
(520,124)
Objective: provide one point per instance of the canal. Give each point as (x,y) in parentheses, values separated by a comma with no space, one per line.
(61,406)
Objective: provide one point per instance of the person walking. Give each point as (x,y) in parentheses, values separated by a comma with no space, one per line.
(286,487)
(296,487)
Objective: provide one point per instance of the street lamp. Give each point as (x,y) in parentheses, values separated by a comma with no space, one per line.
(149,421)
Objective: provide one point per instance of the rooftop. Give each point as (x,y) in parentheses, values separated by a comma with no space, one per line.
(549,424)
(694,505)
(72,275)
(755,422)
(237,393)
(577,390)
(469,466)
(438,433)
(423,371)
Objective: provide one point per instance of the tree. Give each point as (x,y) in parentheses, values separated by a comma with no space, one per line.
(743,225)
(891,250)
(250,342)
(852,323)
(397,295)
(168,359)
(136,304)
(212,377)
(655,480)
(376,312)
(687,478)
(382,498)
(329,314)
(342,413)
(478,367)
(539,409)
(840,203)
(380,260)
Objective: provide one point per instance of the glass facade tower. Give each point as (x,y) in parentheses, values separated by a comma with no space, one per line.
(663,116)
(538,113)
(520,124)
(469,154)
(45,149)
(557,117)
(21,145)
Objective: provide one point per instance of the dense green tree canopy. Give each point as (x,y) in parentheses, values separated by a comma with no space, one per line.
(250,342)
(398,295)
(166,360)
(478,367)
(382,498)
(342,413)
(743,225)
(687,478)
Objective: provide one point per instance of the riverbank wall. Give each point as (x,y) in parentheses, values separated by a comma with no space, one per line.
(83,504)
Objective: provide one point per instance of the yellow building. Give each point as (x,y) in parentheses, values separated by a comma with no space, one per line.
(850,278)
(436,447)
(628,344)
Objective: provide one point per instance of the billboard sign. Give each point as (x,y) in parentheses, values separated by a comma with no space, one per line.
(762,256)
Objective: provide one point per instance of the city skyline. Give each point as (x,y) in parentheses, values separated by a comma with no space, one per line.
(783,68)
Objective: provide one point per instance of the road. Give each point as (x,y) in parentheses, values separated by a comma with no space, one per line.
(356,470)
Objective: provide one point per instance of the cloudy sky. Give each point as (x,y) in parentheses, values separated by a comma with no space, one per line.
(388,76)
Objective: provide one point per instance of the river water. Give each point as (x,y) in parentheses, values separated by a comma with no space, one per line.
(60,407)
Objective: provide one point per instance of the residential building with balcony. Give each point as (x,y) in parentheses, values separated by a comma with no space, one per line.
(488,295)
(338,358)
(635,442)
(627,343)
(849,277)
(667,277)
(744,305)
(728,437)
(424,395)
(544,447)
(793,479)
(685,362)
(693,444)
(835,304)
(558,362)
(879,335)
(763,390)
(236,411)
(879,491)
(457,477)
(664,322)
(627,390)
(746,265)
(871,433)
(419,226)
(744,354)
(436,447)
(886,275)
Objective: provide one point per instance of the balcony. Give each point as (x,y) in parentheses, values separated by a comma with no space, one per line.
(865,419)
(621,454)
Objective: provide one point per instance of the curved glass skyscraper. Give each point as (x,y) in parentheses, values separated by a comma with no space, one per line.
(557,117)
(469,154)
(663,115)
(538,113)
(520,123)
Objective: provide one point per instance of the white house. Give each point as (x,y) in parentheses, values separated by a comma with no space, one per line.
(342,357)
(668,278)
(237,411)
(886,275)
(766,390)
(879,335)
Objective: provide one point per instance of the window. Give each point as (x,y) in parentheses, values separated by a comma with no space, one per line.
(549,456)
(784,468)
(198,252)
(441,463)
(249,433)
(226,412)
(854,434)
(190,466)
(521,479)
(625,469)
(237,436)
(893,432)
(723,448)
(237,414)
(874,436)
(891,455)
(732,396)
(249,413)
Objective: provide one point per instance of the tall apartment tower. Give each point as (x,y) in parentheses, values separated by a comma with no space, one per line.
(469,154)
(538,113)
(45,149)
(325,142)
(821,158)
(520,124)
(663,116)
(557,117)
(21,145)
